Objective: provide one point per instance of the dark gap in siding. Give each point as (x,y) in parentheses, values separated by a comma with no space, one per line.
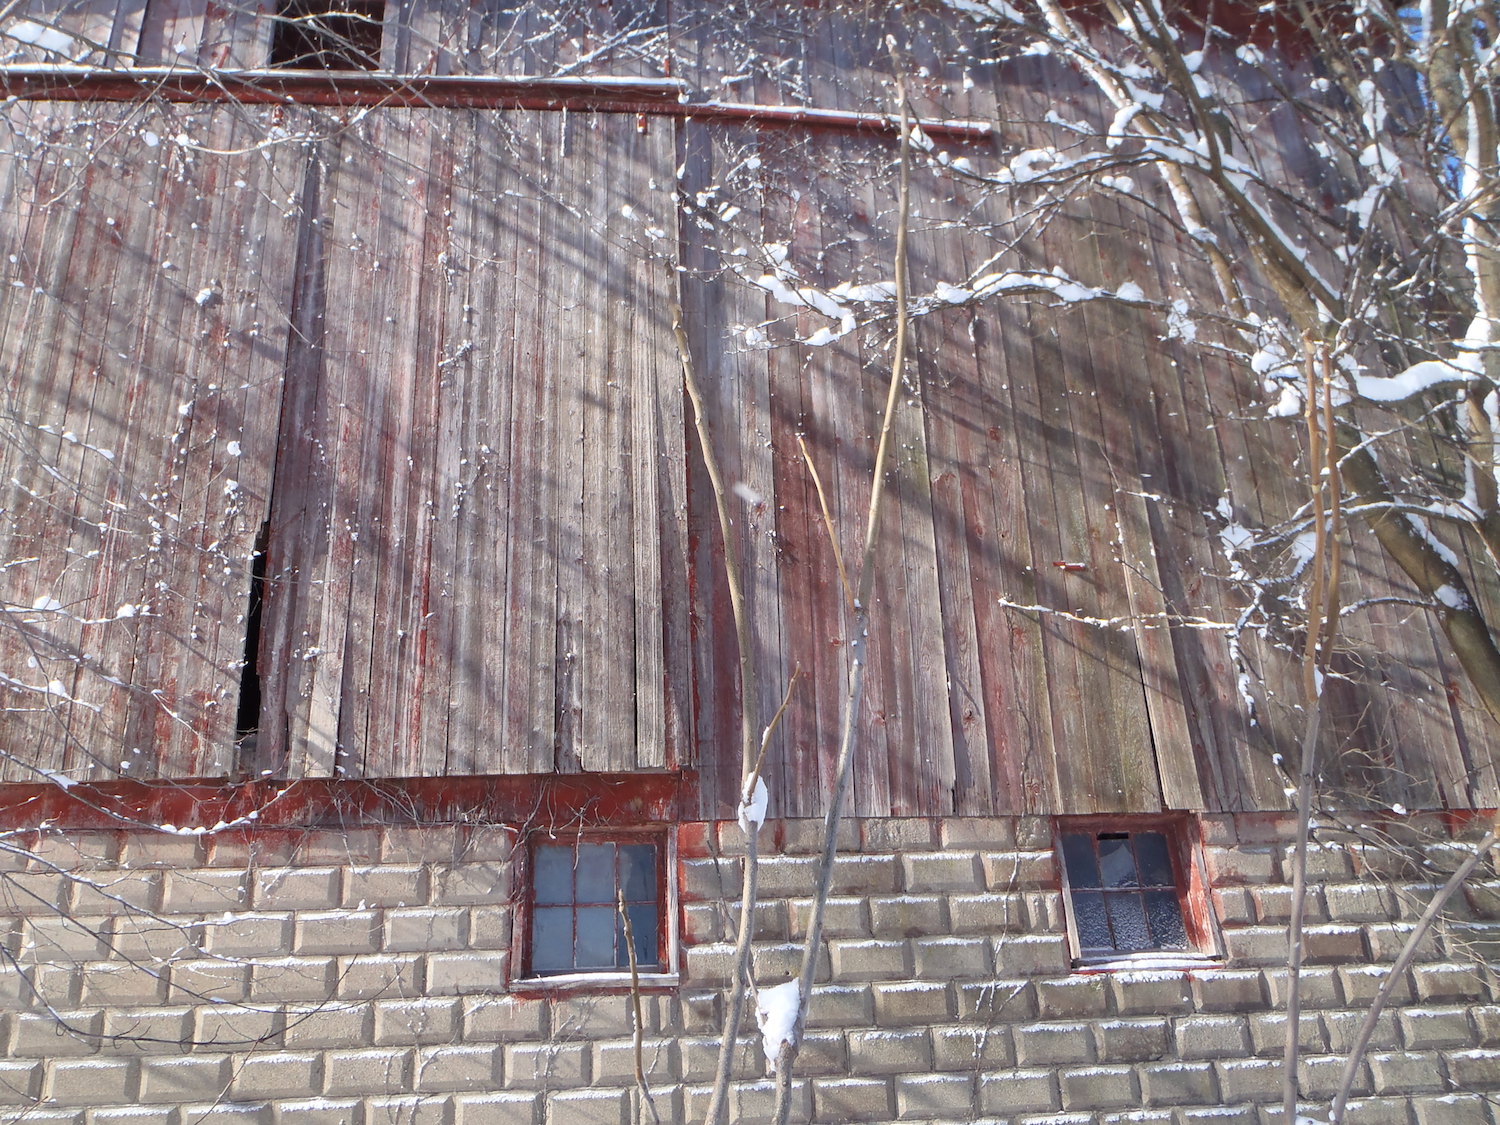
(247,719)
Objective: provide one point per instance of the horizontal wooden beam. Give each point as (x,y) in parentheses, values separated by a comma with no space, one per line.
(645,97)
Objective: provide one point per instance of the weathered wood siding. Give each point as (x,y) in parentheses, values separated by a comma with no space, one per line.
(435,369)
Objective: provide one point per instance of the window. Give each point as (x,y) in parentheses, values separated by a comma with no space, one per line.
(591,900)
(1133,894)
(328,34)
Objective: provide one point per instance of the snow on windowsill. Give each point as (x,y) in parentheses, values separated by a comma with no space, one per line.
(601,980)
(1147,962)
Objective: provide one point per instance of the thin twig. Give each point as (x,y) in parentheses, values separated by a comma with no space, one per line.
(833,539)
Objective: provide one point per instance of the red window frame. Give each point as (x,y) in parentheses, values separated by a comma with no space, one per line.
(663,973)
(1189,881)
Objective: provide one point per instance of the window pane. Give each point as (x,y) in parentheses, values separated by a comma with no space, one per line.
(551,939)
(1127,917)
(638,872)
(552,878)
(596,873)
(1165,913)
(1154,859)
(1078,855)
(596,937)
(1116,861)
(647,950)
(1088,916)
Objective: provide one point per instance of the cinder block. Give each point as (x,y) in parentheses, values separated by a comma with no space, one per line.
(1342,1029)
(83,1082)
(20,1082)
(595,1015)
(1010,1092)
(712,880)
(106,892)
(1241,865)
(977,831)
(451,1067)
(367,976)
(408,1110)
(1474,1070)
(588,1107)
(1273,902)
(338,846)
(457,974)
(841,1100)
(823,1053)
(1424,1029)
(1249,1080)
(1030,955)
(1320,1077)
(1326,863)
(1377,1111)
(1359,902)
(228,1113)
(928,1096)
(1019,870)
(1403,1073)
(1151,993)
(318,1111)
(1060,1044)
(472,884)
(870,960)
(385,885)
(367,1072)
(1256,946)
(1211,1037)
(1486,1019)
(39,892)
(296,888)
(400,1022)
(897,834)
(952,958)
(708,965)
(1178,1083)
(422,843)
(56,938)
(1121,1041)
(546,1066)
(291,979)
(1075,997)
(842,918)
(276,1075)
(1234,906)
(991,1002)
(145,1030)
(1360,983)
(972,1048)
(1334,945)
(344,931)
(1448,982)
(927,872)
(803,836)
(911,1002)
(247,935)
(889,1052)
(1268,1032)
(217,982)
(76,849)
(233,1027)
(325,1026)
(700,1058)
(915,915)
(1386,941)
(1318,986)
(986,913)
(1450,1109)
(1228,990)
(106,984)
(865,875)
(1098,1087)
(486,1109)
(841,1005)
(184,1078)
(782,961)
(503,1019)
(614,1062)
(786,876)
(204,891)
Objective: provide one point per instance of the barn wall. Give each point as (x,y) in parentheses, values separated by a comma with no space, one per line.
(359,976)
(424,355)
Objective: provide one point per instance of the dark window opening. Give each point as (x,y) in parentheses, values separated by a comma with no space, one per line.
(1126,894)
(583,893)
(247,717)
(328,34)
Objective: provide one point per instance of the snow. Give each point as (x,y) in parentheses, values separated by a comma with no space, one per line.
(47,38)
(1419,377)
(1451,597)
(752,812)
(46,604)
(776,1012)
